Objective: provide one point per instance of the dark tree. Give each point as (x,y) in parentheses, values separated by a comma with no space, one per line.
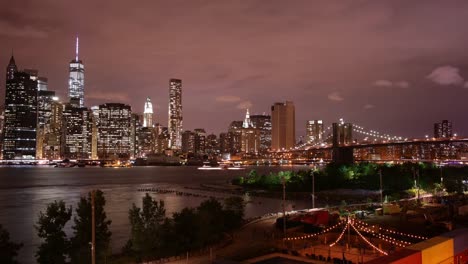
(147,227)
(233,212)
(186,223)
(80,242)
(49,227)
(8,249)
(211,224)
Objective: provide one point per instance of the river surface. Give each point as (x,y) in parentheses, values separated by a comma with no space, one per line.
(25,191)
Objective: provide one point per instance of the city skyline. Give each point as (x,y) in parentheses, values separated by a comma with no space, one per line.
(364,81)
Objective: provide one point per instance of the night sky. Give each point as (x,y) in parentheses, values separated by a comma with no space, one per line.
(393,66)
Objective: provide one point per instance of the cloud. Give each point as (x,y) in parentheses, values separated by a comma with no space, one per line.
(25,31)
(465,85)
(446,75)
(228,99)
(335,96)
(108,97)
(383,83)
(244,105)
(387,83)
(402,84)
(369,106)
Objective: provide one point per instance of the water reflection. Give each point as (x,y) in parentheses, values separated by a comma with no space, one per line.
(27,191)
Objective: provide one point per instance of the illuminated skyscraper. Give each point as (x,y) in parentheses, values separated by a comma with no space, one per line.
(78,132)
(44,113)
(175,114)
(263,123)
(314,131)
(11,69)
(76,80)
(283,135)
(114,131)
(148,113)
(20,117)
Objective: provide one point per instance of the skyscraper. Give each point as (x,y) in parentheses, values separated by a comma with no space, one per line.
(76,80)
(443,129)
(148,113)
(314,131)
(53,145)
(283,125)
(263,123)
(44,114)
(78,132)
(250,136)
(11,69)
(20,117)
(175,114)
(114,131)
(188,142)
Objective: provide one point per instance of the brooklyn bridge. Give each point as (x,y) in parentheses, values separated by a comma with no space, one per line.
(348,143)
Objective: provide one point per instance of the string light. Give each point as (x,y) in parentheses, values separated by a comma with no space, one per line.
(342,233)
(315,234)
(367,241)
(395,232)
(383,237)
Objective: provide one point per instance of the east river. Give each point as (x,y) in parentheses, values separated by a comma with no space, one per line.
(25,191)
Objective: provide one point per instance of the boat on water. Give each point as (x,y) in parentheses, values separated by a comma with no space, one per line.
(221,166)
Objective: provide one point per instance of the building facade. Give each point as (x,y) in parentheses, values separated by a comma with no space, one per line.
(175,114)
(283,126)
(53,140)
(44,113)
(314,131)
(114,131)
(263,124)
(19,140)
(76,79)
(443,129)
(148,114)
(77,132)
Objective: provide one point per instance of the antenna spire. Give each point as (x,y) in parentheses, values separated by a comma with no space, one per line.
(77,47)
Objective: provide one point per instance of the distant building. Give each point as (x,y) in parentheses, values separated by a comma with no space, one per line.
(443,129)
(283,126)
(76,80)
(44,113)
(314,131)
(114,131)
(175,114)
(20,116)
(53,140)
(224,143)
(11,69)
(148,113)
(162,142)
(263,123)
(146,141)
(2,125)
(42,84)
(250,136)
(200,141)
(78,132)
(211,145)
(235,137)
(188,142)
(135,126)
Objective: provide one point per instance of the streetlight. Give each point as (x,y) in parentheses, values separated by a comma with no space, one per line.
(283,181)
(313,189)
(381,189)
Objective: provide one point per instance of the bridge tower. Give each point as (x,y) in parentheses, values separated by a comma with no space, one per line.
(340,154)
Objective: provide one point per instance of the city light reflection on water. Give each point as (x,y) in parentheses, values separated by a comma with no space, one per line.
(25,191)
